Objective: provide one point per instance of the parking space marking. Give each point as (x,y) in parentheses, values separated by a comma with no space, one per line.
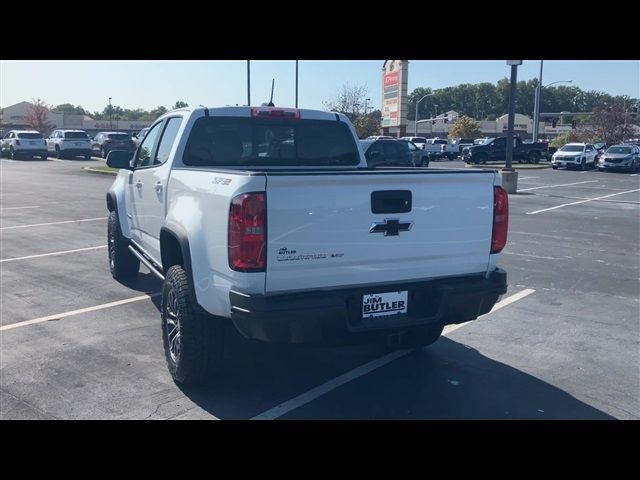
(581,201)
(77,312)
(19,208)
(53,223)
(52,254)
(528,178)
(323,389)
(553,186)
(532,256)
(501,304)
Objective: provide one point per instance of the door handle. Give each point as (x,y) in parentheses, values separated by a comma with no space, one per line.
(139,184)
(158,187)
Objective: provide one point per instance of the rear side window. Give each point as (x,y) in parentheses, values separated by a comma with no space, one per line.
(167,140)
(29,135)
(269,142)
(75,135)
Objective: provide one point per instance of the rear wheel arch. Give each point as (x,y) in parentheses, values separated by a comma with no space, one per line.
(175,250)
(112,203)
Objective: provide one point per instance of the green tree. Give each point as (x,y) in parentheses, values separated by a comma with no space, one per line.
(156,112)
(179,104)
(369,124)
(465,127)
(569,137)
(70,108)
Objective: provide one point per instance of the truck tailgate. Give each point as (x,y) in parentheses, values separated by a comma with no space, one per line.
(322,232)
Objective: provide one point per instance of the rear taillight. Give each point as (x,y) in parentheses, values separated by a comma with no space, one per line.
(279,113)
(500,219)
(17,142)
(442,149)
(247,232)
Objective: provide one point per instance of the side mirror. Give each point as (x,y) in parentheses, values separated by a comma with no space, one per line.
(134,135)
(120,159)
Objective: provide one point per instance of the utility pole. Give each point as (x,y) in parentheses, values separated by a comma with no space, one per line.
(509,175)
(248,83)
(415,131)
(297,86)
(536,108)
(110,124)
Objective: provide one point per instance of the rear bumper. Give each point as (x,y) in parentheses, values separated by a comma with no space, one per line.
(335,316)
(30,151)
(76,151)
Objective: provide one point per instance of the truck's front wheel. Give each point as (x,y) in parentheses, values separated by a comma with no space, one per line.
(122,263)
(193,341)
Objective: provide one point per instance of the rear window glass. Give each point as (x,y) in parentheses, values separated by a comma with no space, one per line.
(75,135)
(118,136)
(29,135)
(439,142)
(270,142)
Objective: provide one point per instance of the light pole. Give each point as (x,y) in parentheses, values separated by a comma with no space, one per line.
(110,124)
(297,84)
(415,132)
(366,104)
(509,174)
(538,100)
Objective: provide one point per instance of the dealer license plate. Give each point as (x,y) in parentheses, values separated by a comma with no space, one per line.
(382,304)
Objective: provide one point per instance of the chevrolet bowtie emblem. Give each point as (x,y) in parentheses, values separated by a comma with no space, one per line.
(390,227)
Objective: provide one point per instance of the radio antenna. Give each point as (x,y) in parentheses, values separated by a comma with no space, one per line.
(273,81)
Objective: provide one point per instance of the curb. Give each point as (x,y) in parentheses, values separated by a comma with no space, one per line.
(98,172)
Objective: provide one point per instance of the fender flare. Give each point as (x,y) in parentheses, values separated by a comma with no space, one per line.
(182,238)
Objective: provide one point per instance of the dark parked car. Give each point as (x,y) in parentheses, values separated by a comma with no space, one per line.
(387,153)
(420,157)
(494,149)
(104,142)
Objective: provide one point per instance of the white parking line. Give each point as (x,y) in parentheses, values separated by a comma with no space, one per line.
(532,256)
(501,304)
(76,312)
(581,201)
(553,186)
(20,208)
(53,223)
(357,372)
(51,254)
(527,178)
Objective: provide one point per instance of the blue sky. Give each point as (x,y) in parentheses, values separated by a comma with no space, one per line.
(147,84)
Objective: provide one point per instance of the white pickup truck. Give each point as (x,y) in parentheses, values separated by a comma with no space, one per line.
(268,219)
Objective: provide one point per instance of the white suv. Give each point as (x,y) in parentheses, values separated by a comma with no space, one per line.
(575,155)
(69,144)
(23,143)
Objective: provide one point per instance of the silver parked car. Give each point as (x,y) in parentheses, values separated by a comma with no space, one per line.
(618,157)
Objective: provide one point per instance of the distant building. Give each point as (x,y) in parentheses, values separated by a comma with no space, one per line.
(14,117)
(523,127)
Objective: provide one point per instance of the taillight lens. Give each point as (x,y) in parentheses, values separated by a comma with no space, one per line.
(500,219)
(247,232)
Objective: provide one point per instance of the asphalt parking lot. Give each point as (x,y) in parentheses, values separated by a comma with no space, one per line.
(562,344)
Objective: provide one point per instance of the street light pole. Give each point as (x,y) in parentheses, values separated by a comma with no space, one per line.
(538,99)
(297,84)
(512,112)
(536,108)
(110,124)
(415,131)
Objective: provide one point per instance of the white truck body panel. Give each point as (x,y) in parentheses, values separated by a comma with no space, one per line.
(325,220)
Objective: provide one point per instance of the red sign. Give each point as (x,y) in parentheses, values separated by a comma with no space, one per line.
(391,78)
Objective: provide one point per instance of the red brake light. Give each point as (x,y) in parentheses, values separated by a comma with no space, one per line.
(290,114)
(247,232)
(500,219)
